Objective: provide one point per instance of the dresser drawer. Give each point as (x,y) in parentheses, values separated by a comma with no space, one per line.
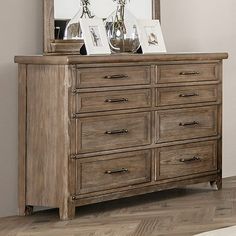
(186,95)
(114,131)
(186,159)
(113,100)
(113,76)
(187,73)
(188,123)
(113,171)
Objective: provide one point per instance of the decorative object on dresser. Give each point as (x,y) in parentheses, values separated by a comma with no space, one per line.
(55,13)
(98,128)
(95,37)
(150,35)
(121,27)
(73,28)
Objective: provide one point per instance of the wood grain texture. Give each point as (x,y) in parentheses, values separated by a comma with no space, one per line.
(113,76)
(113,171)
(48,25)
(112,132)
(103,131)
(113,100)
(186,123)
(22,128)
(89,61)
(187,73)
(185,160)
(186,95)
(48,146)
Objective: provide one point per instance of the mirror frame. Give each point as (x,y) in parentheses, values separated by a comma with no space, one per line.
(65,47)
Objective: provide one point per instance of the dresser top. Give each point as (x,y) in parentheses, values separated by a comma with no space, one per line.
(117,58)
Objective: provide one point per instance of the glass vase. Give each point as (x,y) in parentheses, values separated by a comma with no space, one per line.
(73,28)
(121,28)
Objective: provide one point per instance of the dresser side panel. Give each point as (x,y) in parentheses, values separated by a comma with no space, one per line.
(48,143)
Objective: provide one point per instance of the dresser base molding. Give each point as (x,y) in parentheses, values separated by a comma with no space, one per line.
(100,128)
(68,212)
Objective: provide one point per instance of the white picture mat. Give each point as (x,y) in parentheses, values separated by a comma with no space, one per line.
(95,37)
(151,37)
(66,9)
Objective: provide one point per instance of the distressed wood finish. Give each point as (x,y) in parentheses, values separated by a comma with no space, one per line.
(113,171)
(86,139)
(186,95)
(113,100)
(22,127)
(112,132)
(185,160)
(187,123)
(113,76)
(71,47)
(187,73)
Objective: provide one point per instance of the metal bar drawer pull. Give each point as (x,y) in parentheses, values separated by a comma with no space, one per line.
(189,73)
(121,76)
(195,158)
(117,171)
(122,131)
(189,124)
(186,95)
(118,100)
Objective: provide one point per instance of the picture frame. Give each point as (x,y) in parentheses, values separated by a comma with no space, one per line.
(151,37)
(95,37)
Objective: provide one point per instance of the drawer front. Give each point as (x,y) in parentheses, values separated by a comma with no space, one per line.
(186,159)
(186,95)
(115,131)
(113,76)
(113,100)
(113,171)
(188,123)
(187,73)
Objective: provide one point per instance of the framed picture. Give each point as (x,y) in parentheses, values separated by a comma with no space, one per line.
(150,35)
(95,37)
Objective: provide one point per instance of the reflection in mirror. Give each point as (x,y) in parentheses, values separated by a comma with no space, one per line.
(64,10)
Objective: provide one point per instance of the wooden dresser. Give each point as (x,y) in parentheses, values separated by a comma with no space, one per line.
(97,128)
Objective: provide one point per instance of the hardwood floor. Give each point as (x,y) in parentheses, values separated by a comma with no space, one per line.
(179,212)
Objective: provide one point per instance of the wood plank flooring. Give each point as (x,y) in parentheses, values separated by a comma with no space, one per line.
(180,212)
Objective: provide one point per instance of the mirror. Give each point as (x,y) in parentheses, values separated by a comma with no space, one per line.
(66,9)
(57,13)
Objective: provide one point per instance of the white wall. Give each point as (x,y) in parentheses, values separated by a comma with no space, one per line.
(208,26)
(20,33)
(188,25)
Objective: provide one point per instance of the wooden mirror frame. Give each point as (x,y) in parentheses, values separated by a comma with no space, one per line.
(52,46)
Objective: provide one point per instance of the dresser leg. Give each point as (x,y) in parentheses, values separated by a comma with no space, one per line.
(67,212)
(217,184)
(29,210)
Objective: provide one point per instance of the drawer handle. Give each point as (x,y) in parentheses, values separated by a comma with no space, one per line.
(121,76)
(189,123)
(186,95)
(117,171)
(195,158)
(122,131)
(189,73)
(119,100)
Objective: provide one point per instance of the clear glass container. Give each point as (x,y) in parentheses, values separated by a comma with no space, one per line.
(73,28)
(121,28)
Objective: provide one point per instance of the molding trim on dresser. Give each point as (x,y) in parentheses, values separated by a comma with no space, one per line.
(97,128)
